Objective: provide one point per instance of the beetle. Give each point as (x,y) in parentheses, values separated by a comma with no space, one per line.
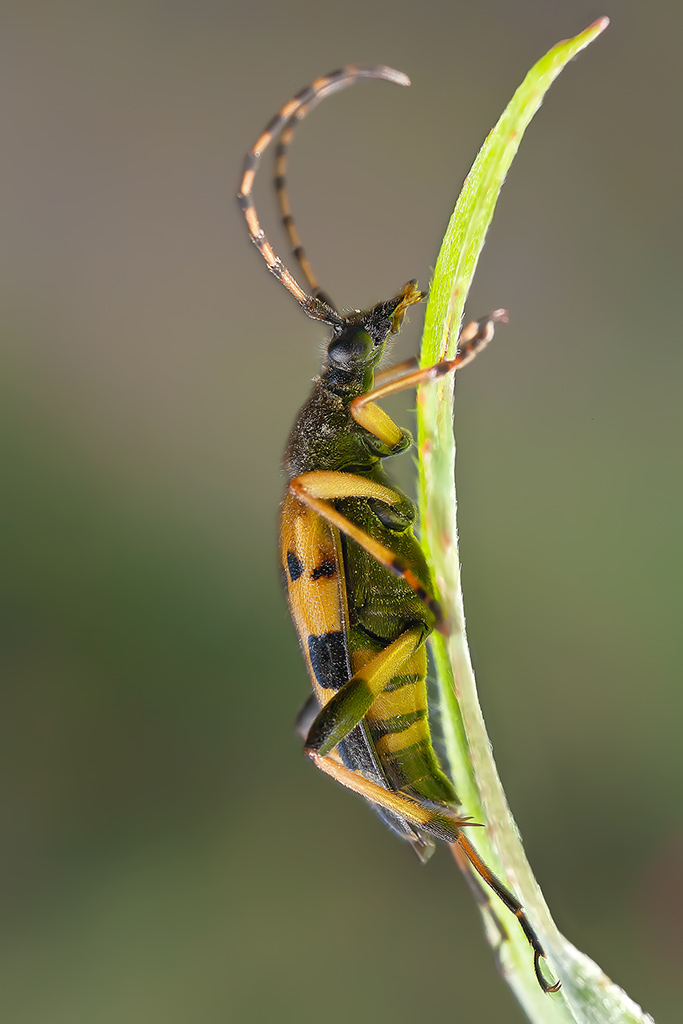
(358,585)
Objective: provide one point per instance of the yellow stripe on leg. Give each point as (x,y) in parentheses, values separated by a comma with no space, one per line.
(328,484)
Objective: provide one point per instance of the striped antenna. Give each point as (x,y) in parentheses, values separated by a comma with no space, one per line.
(285,122)
(281,156)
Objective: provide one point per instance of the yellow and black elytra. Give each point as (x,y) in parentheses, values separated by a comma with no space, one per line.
(359,589)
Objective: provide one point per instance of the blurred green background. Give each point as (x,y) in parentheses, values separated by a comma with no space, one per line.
(167,854)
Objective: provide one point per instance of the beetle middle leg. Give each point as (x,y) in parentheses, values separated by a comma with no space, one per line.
(319,488)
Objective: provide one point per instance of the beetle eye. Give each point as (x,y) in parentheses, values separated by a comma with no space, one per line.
(351,347)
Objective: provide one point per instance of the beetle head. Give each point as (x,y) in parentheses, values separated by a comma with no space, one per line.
(358,340)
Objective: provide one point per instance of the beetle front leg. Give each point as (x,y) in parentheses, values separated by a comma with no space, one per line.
(473,339)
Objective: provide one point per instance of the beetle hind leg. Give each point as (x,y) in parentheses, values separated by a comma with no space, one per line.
(461,847)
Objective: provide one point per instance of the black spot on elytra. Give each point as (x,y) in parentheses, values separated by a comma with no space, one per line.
(327,569)
(294,566)
(329,659)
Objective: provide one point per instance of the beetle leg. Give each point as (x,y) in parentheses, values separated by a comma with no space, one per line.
(396,371)
(472,340)
(462,845)
(308,712)
(445,824)
(436,819)
(316,489)
(348,706)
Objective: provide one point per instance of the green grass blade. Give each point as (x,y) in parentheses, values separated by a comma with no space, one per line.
(587,996)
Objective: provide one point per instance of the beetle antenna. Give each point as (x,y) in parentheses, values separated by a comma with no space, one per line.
(285,121)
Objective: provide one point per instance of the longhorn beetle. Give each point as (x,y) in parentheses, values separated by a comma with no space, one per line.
(359,589)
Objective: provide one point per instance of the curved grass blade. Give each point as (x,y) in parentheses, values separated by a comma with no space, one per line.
(587,995)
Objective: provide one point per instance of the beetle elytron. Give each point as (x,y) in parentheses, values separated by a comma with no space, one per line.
(357,581)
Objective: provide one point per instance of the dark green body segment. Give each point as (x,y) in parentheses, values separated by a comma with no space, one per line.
(398,726)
